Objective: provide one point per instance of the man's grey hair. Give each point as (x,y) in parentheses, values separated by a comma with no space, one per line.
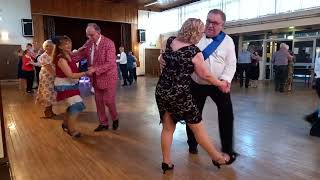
(95,26)
(284,45)
(218,11)
(251,47)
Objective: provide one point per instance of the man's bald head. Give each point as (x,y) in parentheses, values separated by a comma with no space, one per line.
(93,32)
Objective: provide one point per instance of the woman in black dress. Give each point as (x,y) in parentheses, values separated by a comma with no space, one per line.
(254,68)
(173,92)
(21,77)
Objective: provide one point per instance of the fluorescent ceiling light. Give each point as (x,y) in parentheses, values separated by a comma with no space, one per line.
(158,2)
(150,4)
(165,1)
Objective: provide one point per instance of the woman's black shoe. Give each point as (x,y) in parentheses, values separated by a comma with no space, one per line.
(193,150)
(75,134)
(311,118)
(233,157)
(166,167)
(218,164)
(64,127)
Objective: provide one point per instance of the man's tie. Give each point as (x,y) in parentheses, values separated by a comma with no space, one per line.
(95,52)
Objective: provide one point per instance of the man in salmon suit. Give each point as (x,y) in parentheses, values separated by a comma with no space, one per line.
(101,54)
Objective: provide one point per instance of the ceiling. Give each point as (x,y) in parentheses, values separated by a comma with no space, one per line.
(153,5)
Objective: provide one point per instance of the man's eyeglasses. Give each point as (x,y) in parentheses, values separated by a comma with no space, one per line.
(215,23)
(90,35)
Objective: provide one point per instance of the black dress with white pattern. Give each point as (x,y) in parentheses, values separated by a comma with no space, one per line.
(173,91)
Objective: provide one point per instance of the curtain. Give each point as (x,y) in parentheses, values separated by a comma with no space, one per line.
(126,37)
(49,27)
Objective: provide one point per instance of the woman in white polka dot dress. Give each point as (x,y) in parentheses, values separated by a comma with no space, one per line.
(46,96)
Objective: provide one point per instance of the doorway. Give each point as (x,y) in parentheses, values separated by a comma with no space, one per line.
(304,50)
(273,46)
(9,61)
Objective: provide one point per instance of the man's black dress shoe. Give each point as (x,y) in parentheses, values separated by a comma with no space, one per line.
(101,128)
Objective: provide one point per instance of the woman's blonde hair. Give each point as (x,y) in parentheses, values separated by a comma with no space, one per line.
(46,43)
(190,31)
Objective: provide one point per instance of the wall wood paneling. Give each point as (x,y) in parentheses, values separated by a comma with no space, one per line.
(151,62)
(8,61)
(75,29)
(87,9)
(38,30)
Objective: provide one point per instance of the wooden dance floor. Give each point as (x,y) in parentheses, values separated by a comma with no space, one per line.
(270,136)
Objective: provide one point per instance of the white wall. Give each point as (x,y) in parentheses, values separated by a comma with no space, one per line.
(152,36)
(11,13)
(163,23)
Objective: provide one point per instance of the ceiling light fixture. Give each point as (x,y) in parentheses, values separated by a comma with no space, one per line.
(158,2)
(290,37)
(166,1)
(152,3)
(162,1)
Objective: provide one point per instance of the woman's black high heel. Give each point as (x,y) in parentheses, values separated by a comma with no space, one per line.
(75,134)
(64,127)
(166,167)
(218,164)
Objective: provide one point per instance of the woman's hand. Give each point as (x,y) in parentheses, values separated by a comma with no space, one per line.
(162,62)
(30,63)
(81,48)
(90,71)
(224,86)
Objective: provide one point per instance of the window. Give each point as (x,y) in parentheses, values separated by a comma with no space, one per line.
(288,5)
(171,20)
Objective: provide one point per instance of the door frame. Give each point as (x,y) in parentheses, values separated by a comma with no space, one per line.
(313,52)
(264,57)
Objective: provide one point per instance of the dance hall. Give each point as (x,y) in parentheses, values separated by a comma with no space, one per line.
(159,89)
